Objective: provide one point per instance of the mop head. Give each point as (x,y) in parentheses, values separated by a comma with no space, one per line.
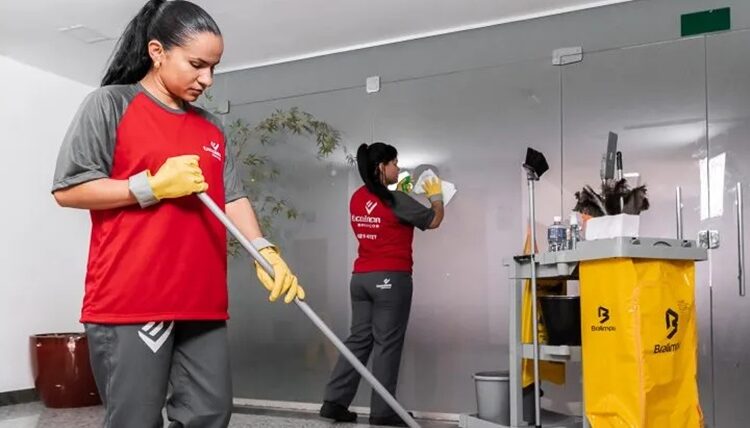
(589,203)
(636,201)
(616,198)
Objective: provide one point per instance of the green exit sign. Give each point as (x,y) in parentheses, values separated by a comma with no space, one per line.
(708,21)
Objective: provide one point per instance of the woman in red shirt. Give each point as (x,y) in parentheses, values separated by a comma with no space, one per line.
(381,286)
(155,306)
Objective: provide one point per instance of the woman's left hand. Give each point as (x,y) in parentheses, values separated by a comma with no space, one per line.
(285,282)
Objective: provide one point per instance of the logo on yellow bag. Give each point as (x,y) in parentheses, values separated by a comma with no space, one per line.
(603,314)
(672,319)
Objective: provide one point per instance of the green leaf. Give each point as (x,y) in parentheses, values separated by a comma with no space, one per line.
(262,170)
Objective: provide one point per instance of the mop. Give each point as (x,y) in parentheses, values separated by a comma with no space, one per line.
(535,165)
(380,389)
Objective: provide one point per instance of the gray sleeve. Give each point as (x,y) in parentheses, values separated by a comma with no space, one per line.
(412,212)
(234,188)
(88,147)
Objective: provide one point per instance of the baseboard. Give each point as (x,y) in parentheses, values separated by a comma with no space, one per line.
(20,396)
(291,408)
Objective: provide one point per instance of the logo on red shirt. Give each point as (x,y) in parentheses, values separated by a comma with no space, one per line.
(370,206)
(214,150)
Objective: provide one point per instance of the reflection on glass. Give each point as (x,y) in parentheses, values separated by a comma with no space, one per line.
(712,186)
(474,126)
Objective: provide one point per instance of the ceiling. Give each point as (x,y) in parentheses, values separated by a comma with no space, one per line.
(257,32)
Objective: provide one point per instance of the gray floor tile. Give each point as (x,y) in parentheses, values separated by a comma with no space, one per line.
(35,415)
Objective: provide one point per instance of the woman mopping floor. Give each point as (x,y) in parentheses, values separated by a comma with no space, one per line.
(155,307)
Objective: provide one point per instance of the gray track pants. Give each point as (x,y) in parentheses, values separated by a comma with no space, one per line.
(136,366)
(381,302)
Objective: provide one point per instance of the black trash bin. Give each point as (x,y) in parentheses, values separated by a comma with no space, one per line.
(562,319)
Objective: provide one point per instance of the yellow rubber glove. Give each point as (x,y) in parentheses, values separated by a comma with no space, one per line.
(433,188)
(285,281)
(178,176)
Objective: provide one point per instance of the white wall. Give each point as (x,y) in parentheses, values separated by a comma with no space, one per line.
(43,247)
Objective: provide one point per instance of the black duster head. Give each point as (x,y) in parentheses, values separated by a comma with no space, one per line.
(535,162)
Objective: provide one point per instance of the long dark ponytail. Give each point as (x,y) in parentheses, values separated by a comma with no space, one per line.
(368,160)
(169,22)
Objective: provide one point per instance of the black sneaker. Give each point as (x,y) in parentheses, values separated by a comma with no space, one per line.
(392,421)
(337,412)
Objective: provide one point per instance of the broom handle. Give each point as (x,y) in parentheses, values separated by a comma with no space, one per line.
(380,389)
(534,319)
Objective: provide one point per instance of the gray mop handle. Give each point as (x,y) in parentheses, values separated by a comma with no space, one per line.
(219,213)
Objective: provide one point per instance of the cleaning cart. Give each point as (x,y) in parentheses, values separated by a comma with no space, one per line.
(637,314)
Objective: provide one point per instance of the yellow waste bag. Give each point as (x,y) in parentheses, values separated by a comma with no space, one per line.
(548,370)
(639,343)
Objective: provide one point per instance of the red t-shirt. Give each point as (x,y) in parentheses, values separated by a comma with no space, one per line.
(385,233)
(167,261)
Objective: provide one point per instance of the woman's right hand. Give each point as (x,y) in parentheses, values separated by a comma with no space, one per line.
(433,188)
(178,176)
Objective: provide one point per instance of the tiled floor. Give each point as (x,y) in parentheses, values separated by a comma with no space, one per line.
(35,415)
